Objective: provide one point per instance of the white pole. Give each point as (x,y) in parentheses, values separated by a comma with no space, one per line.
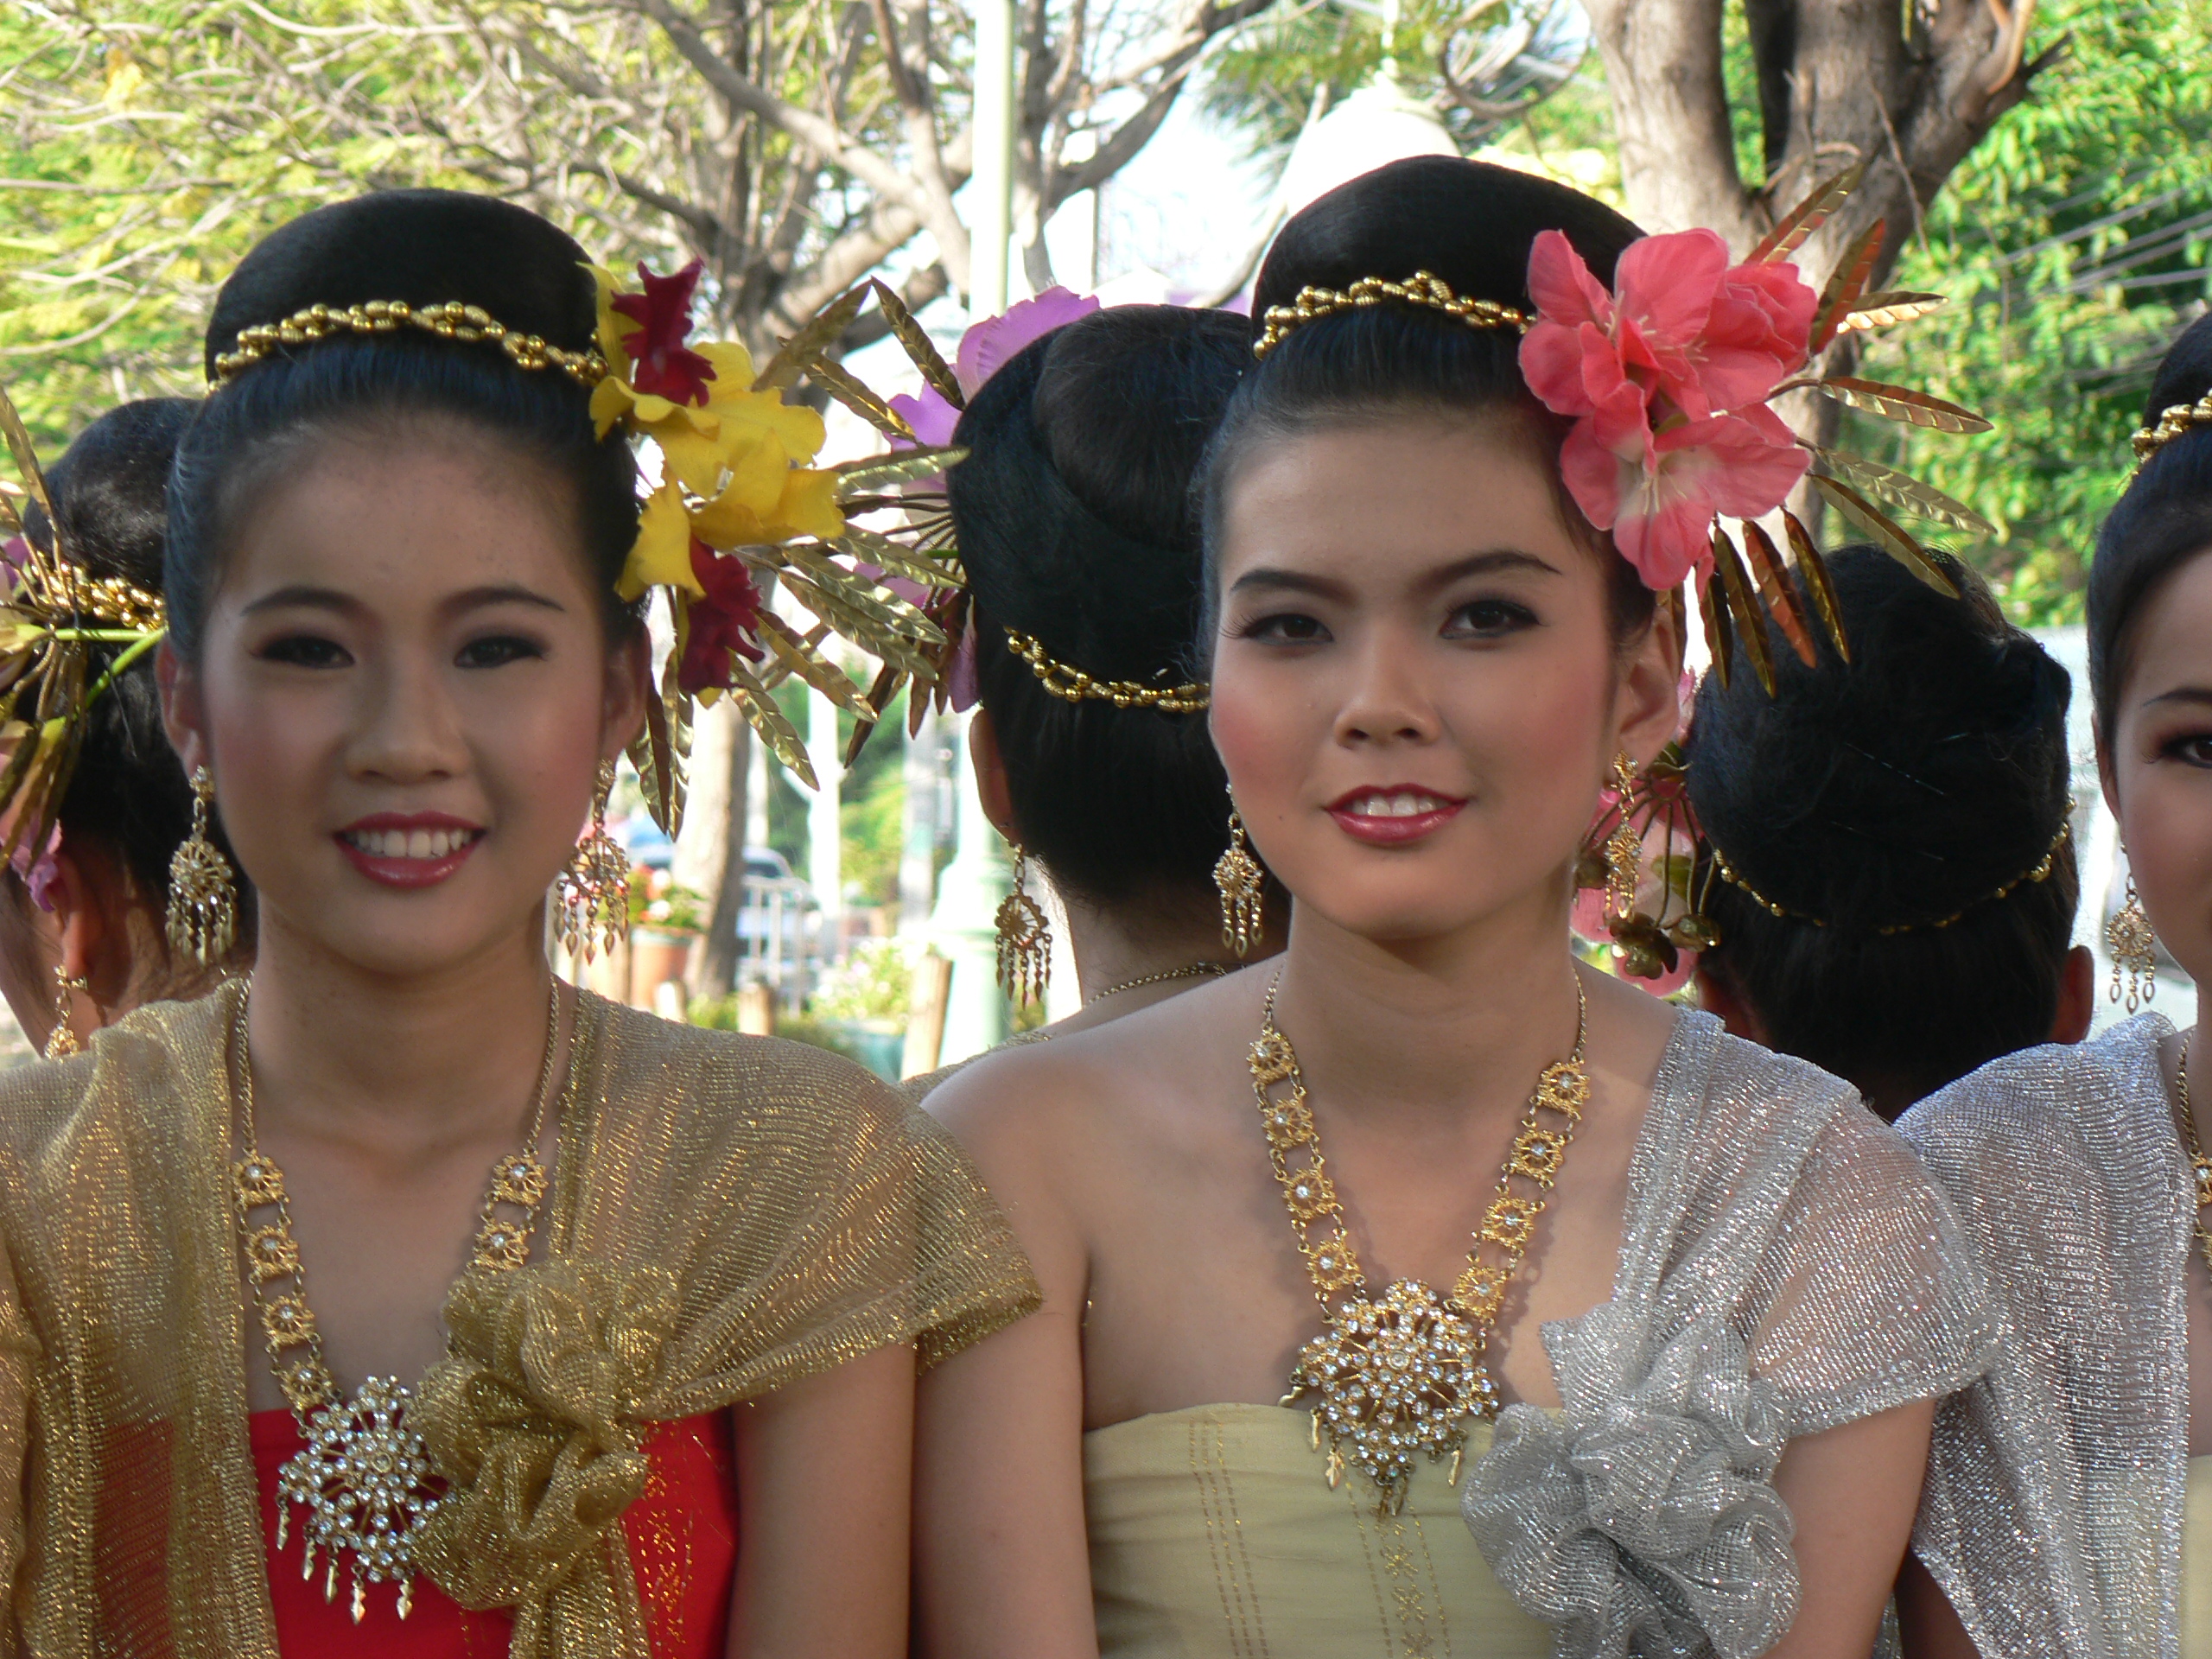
(825,829)
(991,226)
(969,891)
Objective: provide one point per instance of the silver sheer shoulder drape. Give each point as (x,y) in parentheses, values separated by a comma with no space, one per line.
(1786,1265)
(2053,1510)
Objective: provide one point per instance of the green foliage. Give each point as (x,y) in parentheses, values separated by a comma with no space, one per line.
(2071,242)
(871,802)
(1263,83)
(876,983)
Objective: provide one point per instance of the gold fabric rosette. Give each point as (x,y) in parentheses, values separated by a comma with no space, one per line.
(536,1419)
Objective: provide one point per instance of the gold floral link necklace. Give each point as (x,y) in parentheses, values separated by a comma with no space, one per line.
(1401,1375)
(2199,1164)
(365,1478)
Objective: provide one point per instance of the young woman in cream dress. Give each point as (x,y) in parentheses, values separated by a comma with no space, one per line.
(1713,1297)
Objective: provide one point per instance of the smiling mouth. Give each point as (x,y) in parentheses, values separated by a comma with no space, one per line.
(1396,815)
(428,845)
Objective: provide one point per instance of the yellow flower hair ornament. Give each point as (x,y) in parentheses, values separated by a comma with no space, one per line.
(739,504)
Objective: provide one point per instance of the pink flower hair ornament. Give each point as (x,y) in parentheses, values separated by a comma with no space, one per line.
(1669,376)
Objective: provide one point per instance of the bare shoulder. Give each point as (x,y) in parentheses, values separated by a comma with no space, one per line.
(1085,1106)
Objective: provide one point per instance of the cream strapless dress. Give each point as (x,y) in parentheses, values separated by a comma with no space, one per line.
(2195,1608)
(1214,1535)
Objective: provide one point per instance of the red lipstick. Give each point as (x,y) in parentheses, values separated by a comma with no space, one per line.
(1433,811)
(409,849)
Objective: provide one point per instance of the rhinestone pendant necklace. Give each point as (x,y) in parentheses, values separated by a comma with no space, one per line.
(363,1481)
(1401,1374)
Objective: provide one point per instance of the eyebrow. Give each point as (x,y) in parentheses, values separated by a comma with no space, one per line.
(301,597)
(1486,563)
(2182,694)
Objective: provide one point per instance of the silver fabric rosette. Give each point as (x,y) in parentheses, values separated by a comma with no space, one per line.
(1642,1520)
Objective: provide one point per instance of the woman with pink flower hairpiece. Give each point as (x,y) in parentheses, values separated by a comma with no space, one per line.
(1595,1331)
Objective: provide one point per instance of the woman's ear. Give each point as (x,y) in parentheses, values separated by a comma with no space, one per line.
(629,687)
(990,773)
(183,709)
(1649,701)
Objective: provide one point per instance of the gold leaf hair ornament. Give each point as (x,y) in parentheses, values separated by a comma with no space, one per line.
(2172,422)
(1654,937)
(1668,376)
(54,617)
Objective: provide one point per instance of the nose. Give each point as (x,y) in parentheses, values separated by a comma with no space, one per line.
(1388,703)
(407,727)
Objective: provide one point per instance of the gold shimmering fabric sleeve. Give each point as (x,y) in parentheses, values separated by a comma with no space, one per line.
(809,1213)
(18,1361)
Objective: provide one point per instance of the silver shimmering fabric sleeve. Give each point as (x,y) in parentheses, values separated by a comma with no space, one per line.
(1786,1265)
(2052,1512)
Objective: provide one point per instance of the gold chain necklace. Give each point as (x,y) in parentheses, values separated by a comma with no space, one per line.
(2198,1162)
(1189,970)
(1401,1375)
(365,1478)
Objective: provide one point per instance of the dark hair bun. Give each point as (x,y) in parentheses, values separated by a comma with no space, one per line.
(1077,527)
(129,793)
(1899,788)
(1075,520)
(110,487)
(1878,798)
(425,247)
(1470,223)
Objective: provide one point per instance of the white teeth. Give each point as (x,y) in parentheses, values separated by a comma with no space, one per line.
(408,844)
(1404,804)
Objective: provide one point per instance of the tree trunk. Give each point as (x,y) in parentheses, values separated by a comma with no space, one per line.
(1839,81)
(710,850)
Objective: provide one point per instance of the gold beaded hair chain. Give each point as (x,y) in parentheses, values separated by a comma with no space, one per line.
(1401,1375)
(365,1478)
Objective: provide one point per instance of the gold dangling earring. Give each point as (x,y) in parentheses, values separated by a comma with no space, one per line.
(62,1042)
(1025,942)
(1623,847)
(203,908)
(2130,944)
(1238,877)
(595,884)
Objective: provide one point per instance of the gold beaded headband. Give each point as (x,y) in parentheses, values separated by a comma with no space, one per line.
(2040,871)
(1423,289)
(2170,424)
(452,321)
(1073,685)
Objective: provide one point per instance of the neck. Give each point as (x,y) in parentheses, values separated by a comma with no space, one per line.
(1112,947)
(1415,1031)
(396,1063)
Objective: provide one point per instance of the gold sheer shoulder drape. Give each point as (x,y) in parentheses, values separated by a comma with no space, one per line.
(730,1214)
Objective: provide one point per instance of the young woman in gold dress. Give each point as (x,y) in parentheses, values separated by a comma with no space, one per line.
(280,1369)
(1675,1397)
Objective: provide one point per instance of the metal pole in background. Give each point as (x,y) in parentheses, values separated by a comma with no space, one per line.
(964,923)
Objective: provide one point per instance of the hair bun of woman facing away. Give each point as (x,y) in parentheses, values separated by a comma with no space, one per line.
(1077,528)
(1883,803)
(127,806)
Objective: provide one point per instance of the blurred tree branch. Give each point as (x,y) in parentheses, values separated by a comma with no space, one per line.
(794,145)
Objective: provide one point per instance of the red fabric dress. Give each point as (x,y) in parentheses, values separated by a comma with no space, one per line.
(683,1537)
